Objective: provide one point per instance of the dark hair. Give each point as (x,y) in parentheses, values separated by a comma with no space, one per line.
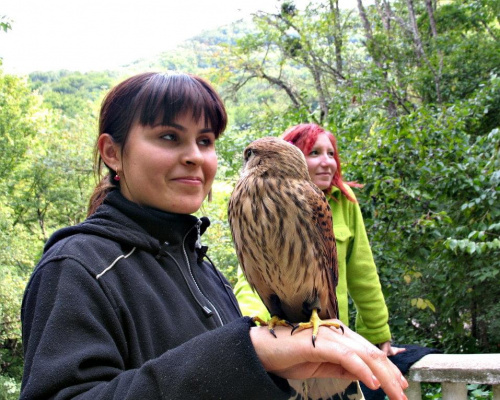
(304,136)
(148,99)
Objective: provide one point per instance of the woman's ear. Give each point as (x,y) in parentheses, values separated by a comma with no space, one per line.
(110,151)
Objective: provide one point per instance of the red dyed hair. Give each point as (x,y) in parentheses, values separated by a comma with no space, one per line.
(304,136)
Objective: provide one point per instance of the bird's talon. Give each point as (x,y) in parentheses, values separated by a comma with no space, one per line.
(314,340)
(273,333)
(261,322)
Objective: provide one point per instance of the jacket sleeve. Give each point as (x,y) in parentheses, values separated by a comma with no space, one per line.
(364,284)
(75,348)
(248,300)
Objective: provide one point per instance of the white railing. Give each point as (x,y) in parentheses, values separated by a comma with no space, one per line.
(454,372)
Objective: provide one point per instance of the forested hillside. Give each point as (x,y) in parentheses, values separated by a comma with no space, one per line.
(409,87)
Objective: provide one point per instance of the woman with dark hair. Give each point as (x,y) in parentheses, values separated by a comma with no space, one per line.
(124,305)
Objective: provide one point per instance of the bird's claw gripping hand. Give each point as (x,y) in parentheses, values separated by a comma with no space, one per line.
(315,322)
(274,321)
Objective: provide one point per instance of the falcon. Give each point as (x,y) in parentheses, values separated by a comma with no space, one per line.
(281,225)
(282,231)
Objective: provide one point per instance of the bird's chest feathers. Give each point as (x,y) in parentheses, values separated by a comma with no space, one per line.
(268,205)
(279,233)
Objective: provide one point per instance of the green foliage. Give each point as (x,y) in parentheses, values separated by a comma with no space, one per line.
(479,391)
(431,208)
(21,118)
(468,40)
(20,115)
(11,290)
(9,388)
(73,93)
(5,23)
(45,183)
(431,391)
(218,237)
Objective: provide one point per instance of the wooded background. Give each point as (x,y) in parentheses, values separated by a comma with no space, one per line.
(409,87)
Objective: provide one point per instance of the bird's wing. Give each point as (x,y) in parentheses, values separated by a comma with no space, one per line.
(322,218)
(245,216)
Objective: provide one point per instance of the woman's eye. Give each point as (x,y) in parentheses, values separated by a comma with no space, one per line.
(169,136)
(205,142)
(313,153)
(331,154)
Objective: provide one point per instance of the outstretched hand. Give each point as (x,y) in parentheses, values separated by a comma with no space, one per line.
(336,355)
(389,350)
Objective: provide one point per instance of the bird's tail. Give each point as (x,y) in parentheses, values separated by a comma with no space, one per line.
(325,389)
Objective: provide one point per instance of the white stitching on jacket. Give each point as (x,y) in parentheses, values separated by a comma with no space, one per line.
(114,262)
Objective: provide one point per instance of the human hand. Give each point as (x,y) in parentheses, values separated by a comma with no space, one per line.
(390,350)
(336,355)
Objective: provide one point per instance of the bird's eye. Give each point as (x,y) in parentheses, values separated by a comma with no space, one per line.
(248,154)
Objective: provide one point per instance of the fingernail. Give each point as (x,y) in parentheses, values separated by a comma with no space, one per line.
(375,381)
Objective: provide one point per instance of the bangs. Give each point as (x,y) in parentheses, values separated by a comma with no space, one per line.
(166,96)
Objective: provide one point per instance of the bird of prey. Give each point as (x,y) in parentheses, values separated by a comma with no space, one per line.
(282,230)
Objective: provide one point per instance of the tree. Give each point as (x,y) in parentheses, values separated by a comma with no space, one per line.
(293,50)
(45,183)
(21,118)
(52,187)
(431,208)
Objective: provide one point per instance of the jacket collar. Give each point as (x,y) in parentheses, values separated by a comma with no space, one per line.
(334,193)
(164,226)
(130,224)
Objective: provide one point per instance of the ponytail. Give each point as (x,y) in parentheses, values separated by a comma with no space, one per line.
(105,186)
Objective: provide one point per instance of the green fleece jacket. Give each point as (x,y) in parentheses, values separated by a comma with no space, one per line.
(358,275)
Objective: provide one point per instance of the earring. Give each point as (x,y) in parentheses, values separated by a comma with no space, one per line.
(117,177)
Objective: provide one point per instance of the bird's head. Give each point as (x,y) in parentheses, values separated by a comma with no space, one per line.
(274,157)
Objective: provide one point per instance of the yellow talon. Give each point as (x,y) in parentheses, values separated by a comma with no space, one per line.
(274,321)
(315,322)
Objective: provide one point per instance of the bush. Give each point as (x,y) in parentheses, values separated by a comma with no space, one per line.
(9,388)
(11,360)
(431,206)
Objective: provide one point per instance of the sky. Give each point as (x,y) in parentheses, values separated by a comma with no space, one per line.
(85,35)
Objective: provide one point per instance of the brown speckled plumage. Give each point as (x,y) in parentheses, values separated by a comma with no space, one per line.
(282,230)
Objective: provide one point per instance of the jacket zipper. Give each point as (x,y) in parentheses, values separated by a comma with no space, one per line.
(198,245)
(164,252)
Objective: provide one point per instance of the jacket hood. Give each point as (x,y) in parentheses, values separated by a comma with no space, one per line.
(134,225)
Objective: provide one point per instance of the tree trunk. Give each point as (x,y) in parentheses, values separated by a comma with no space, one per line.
(432,21)
(421,56)
(370,44)
(415,31)
(384,12)
(364,19)
(337,34)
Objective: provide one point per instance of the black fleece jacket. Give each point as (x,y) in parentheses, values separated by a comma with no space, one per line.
(122,306)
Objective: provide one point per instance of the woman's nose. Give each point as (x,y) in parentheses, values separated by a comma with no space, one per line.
(324,159)
(192,155)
